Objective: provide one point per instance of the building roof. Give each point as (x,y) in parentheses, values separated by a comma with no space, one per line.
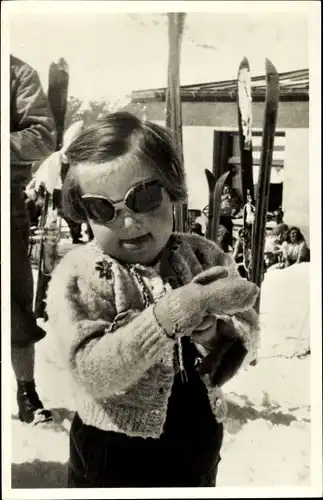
(294,86)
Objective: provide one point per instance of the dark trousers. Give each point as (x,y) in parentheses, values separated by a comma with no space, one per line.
(100,459)
(24,329)
(186,454)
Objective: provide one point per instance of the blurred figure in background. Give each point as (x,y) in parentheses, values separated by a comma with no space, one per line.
(74,227)
(238,247)
(224,236)
(236,203)
(32,139)
(248,214)
(197,229)
(238,253)
(226,212)
(294,249)
(279,215)
(273,242)
(35,202)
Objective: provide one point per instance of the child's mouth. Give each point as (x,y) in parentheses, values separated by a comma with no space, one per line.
(135,243)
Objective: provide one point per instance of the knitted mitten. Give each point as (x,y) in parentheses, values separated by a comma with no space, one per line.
(226,295)
(182,310)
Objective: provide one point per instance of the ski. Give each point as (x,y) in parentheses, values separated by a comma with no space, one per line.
(211,186)
(49,225)
(215,192)
(245,127)
(173,101)
(244,101)
(259,227)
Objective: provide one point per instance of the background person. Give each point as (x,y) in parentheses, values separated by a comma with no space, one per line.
(197,229)
(294,249)
(248,215)
(35,202)
(224,237)
(226,212)
(273,246)
(238,253)
(32,138)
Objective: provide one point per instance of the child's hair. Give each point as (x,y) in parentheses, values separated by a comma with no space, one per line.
(122,138)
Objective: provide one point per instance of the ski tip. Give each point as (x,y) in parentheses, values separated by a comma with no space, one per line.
(224,176)
(270,68)
(210,178)
(62,64)
(209,174)
(244,64)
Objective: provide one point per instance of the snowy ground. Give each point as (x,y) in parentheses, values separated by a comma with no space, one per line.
(267,442)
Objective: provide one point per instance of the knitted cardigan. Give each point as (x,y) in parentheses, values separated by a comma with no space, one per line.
(119,358)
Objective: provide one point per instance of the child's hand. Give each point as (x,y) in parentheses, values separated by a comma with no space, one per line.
(182,311)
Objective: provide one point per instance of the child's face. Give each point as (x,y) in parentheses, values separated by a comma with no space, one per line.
(131,237)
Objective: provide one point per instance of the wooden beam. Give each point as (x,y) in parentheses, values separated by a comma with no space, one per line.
(173,101)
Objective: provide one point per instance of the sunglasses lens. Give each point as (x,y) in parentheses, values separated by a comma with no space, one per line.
(141,199)
(145,197)
(98,210)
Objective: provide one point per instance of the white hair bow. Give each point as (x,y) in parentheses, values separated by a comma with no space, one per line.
(49,172)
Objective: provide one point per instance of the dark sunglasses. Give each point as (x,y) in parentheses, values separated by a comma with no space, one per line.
(141,198)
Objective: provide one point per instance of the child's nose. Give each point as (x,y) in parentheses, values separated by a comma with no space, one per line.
(128,220)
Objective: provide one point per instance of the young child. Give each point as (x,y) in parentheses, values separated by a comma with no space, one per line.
(150,323)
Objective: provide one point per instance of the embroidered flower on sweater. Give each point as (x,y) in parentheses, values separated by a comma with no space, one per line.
(105,268)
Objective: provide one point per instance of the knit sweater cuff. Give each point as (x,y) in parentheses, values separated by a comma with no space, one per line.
(122,355)
(152,336)
(183,322)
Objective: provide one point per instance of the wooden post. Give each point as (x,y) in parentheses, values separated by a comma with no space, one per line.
(173,101)
(222,143)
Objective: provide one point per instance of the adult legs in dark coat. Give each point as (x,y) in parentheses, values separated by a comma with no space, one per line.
(24,329)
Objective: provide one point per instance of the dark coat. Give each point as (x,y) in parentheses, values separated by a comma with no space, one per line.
(32,126)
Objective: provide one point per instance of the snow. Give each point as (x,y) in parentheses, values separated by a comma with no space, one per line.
(267,438)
